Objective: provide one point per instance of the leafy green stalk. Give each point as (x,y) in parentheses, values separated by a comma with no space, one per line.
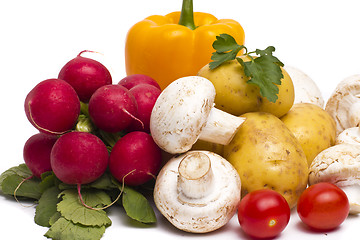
(110,138)
(187,15)
(263,69)
(84,109)
(84,124)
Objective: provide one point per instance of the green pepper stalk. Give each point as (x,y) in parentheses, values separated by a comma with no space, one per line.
(187,15)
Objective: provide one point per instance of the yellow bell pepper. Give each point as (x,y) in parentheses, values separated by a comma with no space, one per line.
(175,45)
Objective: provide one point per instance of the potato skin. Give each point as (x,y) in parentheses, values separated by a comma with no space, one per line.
(285,99)
(313,127)
(212,147)
(267,155)
(234,95)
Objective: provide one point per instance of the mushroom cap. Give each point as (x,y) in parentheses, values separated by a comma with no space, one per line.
(198,215)
(344,103)
(180,112)
(340,165)
(306,90)
(349,135)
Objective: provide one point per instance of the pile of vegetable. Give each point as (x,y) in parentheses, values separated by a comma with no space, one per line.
(231,132)
(93,150)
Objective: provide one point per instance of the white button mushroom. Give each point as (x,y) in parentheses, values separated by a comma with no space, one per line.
(344,103)
(340,165)
(184,112)
(349,135)
(198,191)
(306,90)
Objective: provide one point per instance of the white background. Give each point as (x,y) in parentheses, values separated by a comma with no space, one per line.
(38,37)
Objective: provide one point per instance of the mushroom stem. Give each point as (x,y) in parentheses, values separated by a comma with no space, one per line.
(181,113)
(220,127)
(353,194)
(195,175)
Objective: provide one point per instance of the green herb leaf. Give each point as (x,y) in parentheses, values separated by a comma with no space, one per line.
(47,206)
(28,189)
(137,206)
(105,182)
(71,208)
(64,229)
(226,49)
(264,71)
(48,180)
(22,170)
(54,218)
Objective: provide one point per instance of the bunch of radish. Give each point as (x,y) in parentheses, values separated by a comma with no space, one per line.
(84,89)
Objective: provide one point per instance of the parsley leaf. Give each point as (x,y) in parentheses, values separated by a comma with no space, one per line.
(263,70)
(226,49)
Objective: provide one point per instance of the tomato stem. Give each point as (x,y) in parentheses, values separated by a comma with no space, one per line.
(272,223)
(187,15)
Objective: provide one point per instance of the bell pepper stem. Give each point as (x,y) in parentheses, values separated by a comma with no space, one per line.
(187,14)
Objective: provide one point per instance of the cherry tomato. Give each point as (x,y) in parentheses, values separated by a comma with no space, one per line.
(323,206)
(263,213)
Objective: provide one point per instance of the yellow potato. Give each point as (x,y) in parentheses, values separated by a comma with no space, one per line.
(313,127)
(212,147)
(267,155)
(234,95)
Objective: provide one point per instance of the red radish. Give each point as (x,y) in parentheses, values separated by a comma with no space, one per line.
(79,158)
(37,151)
(136,79)
(135,159)
(52,106)
(145,96)
(85,75)
(112,108)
